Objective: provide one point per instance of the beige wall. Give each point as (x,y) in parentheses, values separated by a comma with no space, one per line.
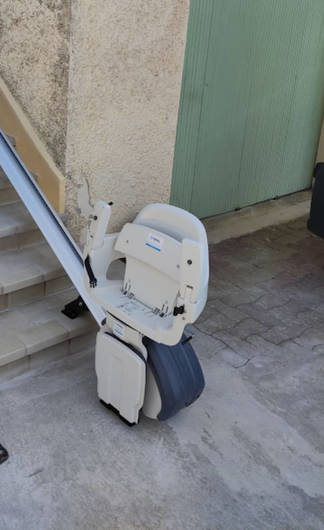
(34,53)
(100,82)
(124,86)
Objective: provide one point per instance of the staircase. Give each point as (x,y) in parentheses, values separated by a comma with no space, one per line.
(33,290)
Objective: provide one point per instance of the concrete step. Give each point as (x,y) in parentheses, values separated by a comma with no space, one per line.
(29,274)
(17,228)
(8,196)
(21,240)
(15,219)
(38,333)
(4,181)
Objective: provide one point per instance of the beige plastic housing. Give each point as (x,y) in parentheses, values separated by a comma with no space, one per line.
(120,375)
(164,285)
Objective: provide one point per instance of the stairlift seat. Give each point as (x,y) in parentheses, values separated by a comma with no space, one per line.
(165,281)
(143,358)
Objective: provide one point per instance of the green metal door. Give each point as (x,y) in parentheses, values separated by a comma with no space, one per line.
(251,104)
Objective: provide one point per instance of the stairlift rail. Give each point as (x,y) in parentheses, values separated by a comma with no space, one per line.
(48,221)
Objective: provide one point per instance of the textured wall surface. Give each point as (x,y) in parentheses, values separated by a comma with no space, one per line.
(34,48)
(124,85)
(100,82)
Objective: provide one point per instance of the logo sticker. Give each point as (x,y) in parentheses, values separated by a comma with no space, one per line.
(155,242)
(118,329)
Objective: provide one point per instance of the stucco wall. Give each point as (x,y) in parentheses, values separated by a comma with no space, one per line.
(100,81)
(34,53)
(124,84)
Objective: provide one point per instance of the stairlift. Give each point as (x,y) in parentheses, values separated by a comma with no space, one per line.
(151,280)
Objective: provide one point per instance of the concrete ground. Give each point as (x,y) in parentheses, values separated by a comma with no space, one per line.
(249,454)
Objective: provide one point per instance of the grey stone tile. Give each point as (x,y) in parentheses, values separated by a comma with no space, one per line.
(284,332)
(245,296)
(232,358)
(214,323)
(230,312)
(205,345)
(270,301)
(238,345)
(248,327)
(265,317)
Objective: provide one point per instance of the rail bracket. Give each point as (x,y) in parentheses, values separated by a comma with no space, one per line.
(75,308)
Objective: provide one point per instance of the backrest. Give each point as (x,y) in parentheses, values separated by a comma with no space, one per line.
(166,250)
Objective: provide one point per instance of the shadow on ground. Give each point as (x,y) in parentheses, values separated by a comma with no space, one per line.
(249,454)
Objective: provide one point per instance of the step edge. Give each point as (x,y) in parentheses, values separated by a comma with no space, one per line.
(22,351)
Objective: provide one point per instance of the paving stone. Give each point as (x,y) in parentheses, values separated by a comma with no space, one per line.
(220,287)
(264,347)
(311,294)
(254,311)
(270,301)
(311,318)
(214,323)
(206,345)
(248,327)
(262,255)
(244,296)
(319,349)
(311,337)
(239,346)
(284,332)
(232,358)
(280,282)
(284,354)
(271,359)
(230,312)
(289,311)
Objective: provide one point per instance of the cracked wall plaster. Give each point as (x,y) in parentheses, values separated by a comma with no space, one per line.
(34,56)
(124,85)
(100,82)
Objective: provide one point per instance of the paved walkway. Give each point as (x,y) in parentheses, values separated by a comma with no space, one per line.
(248,455)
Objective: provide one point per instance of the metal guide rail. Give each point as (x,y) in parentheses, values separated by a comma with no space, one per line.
(47,220)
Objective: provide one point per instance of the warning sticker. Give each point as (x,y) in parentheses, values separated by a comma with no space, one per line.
(154,241)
